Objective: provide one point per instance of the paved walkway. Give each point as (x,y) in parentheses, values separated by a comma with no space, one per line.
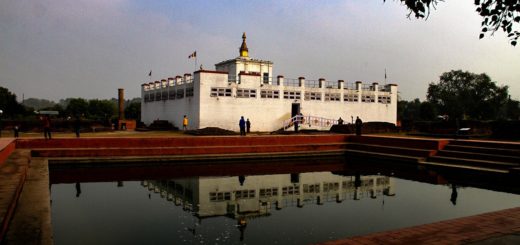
(501,227)
(13,173)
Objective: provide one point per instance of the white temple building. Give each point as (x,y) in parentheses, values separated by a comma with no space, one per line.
(247,87)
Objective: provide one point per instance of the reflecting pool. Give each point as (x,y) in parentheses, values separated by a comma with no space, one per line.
(285,208)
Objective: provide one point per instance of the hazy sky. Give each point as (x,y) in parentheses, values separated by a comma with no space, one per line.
(55,49)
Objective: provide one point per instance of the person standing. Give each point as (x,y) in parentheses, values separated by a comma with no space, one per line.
(340,121)
(359,125)
(16,130)
(77,126)
(248,126)
(242,125)
(78,189)
(298,119)
(47,127)
(185,123)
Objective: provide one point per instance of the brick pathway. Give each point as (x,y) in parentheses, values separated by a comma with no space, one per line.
(13,173)
(476,229)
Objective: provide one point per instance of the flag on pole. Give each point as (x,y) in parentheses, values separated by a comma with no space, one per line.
(150,74)
(193,55)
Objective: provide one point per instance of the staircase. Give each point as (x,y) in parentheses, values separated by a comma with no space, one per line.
(460,155)
(486,156)
(195,147)
(391,149)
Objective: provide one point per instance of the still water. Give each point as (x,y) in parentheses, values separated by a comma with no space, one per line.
(287,208)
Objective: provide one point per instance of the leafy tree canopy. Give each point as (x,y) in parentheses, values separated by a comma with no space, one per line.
(465,95)
(133,110)
(76,107)
(512,110)
(416,110)
(496,14)
(8,103)
(101,109)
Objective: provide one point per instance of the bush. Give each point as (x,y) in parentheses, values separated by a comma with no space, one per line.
(506,129)
(450,127)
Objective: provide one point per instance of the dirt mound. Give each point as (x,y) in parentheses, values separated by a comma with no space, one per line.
(161,125)
(211,131)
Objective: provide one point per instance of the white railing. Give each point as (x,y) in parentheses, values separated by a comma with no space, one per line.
(308,120)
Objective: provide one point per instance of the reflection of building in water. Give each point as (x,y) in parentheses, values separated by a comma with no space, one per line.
(215,196)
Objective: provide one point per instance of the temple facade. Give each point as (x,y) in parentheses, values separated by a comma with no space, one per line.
(247,87)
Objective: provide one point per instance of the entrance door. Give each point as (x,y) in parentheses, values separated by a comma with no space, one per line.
(295,110)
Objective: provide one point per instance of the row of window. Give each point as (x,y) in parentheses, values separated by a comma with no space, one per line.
(384,99)
(312,96)
(332,97)
(272,94)
(350,97)
(169,95)
(313,188)
(219,196)
(269,192)
(368,98)
(220,92)
(292,190)
(247,194)
(246,93)
(244,194)
(292,95)
(296,95)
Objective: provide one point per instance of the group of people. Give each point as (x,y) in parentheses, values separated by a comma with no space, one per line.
(245,126)
(46,124)
(358,124)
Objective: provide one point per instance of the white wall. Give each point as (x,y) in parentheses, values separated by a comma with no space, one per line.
(173,110)
(265,114)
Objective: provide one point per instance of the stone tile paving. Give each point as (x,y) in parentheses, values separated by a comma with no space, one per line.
(12,176)
(31,223)
(501,227)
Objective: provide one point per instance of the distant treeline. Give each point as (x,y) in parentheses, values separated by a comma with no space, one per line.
(93,109)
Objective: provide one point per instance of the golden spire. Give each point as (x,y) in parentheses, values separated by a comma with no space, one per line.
(243,48)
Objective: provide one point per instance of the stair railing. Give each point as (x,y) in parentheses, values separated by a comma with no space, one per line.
(308,120)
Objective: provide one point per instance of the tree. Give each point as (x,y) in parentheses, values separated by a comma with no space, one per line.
(76,106)
(427,111)
(409,110)
(416,110)
(512,110)
(466,95)
(101,109)
(496,14)
(133,110)
(8,103)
